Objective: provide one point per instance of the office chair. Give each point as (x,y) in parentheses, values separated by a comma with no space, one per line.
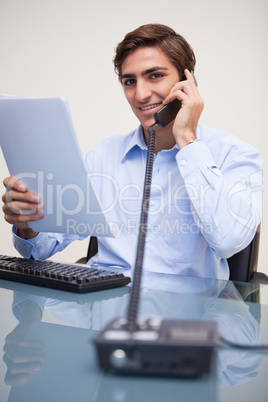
(243,268)
(243,265)
(91,251)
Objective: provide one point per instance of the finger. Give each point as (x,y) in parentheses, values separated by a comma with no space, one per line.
(189,76)
(188,87)
(15,356)
(13,380)
(24,343)
(21,221)
(184,91)
(25,359)
(11,208)
(17,207)
(13,195)
(181,91)
(24,367)
(13,183)
(192,82)
(189,83)
(175,93)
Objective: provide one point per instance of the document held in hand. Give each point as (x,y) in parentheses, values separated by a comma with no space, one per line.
(40,147)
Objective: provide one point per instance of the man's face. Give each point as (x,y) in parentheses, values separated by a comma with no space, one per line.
(147,78)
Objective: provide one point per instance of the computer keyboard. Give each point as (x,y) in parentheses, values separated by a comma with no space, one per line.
(72,278)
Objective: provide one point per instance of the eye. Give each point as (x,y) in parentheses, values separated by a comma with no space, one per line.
(130,81)
(156,75)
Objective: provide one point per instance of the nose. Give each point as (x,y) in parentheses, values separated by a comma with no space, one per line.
(143,91)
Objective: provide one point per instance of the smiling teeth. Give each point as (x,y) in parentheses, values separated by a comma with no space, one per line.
(149,107)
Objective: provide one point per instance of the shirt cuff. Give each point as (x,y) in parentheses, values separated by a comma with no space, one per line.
(29,247)
(20,297)
(196,156)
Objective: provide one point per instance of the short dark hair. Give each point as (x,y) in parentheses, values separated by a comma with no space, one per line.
(173,45)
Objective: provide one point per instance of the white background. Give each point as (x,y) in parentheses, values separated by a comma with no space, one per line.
(65,48)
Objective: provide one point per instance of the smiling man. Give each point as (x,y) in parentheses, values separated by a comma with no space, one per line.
(150,80)
(206,196)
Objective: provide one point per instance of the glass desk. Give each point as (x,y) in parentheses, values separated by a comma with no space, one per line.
(49,355)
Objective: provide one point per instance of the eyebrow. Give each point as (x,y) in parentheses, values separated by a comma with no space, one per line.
(146,72)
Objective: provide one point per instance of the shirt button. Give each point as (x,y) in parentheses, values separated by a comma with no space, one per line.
(151,203)
(38,242)
(183,161)
(146,239)
(28,246)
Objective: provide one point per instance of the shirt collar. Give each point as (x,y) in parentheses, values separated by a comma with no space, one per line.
(137,140)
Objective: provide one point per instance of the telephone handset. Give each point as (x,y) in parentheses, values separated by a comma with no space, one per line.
(167,113)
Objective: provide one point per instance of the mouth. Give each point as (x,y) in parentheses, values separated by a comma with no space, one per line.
(149,107)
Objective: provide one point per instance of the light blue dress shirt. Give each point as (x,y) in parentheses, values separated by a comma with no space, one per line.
(206,204)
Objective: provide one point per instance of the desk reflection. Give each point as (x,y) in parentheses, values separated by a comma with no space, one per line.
(57,362)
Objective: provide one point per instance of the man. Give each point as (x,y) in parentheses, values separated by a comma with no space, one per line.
(206,195)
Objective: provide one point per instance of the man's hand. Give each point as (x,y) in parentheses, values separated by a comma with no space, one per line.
(16,199)
(191,108)
(21,355)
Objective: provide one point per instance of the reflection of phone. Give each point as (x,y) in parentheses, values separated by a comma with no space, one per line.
(167,113)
